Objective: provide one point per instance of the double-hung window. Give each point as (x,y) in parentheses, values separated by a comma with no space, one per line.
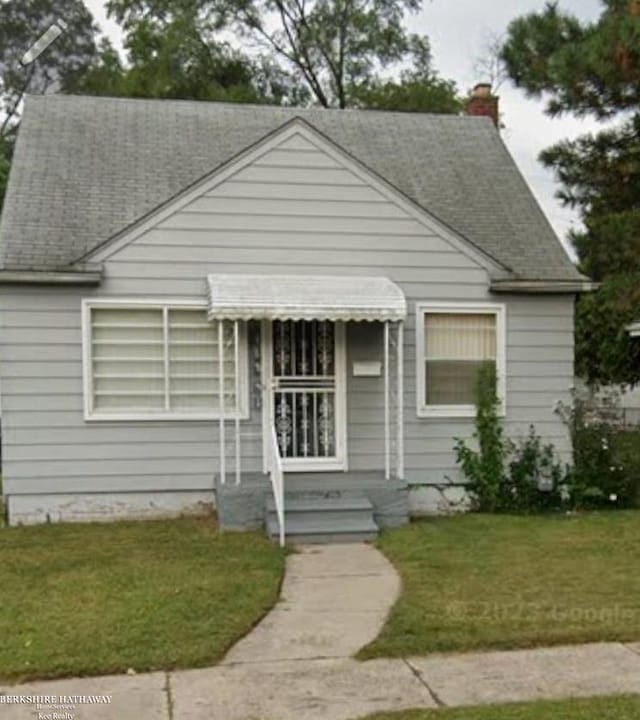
(453,342)
(160,361)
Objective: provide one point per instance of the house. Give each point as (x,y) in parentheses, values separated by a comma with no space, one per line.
(208,303)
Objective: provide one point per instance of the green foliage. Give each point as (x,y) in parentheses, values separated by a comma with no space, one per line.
(536,480)
(504,476)
(627,449)
(526,476)
(593,69)
(600,175)
(600,478)
(334,52)
(341,48)
(582,68)
(174,51)
(605,352)
(485,467)
(417,90)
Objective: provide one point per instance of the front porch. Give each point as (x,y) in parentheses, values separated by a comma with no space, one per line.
(319,345)
(318,507)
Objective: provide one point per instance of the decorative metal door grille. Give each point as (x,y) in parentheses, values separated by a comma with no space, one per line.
(304,377)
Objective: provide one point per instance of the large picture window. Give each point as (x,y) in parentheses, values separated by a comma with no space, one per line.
(453,343)
(160,361)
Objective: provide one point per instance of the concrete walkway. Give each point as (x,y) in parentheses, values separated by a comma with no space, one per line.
(334,600)
(296,664)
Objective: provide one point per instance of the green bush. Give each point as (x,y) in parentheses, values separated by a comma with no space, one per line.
(536,480)
(627,448)
(606,469)
(484,468)
(505,476)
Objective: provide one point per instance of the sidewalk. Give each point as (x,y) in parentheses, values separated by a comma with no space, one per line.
(296,664)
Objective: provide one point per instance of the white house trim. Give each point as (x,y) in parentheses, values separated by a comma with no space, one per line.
(460,411)
(87,363)
(297,127)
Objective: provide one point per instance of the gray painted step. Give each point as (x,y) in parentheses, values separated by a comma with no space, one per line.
(314,503)
(325,530)
(342,513)
(313,517)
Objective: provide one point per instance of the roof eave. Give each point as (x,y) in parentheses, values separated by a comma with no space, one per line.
(544,287)
(87,275)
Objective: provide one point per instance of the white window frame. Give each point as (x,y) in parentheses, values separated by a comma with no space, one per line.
(91,415)
(460,308)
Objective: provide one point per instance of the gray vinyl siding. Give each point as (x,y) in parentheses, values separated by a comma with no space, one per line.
(296,210)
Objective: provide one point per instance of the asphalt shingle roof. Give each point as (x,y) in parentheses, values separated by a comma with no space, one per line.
(85,168)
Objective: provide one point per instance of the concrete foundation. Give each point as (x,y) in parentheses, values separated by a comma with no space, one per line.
(242,507)
(85,507)
(425,500)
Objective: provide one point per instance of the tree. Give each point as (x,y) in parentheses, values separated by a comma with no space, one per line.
(174,51)
(331,51)
(5,163)
(593,69)
(339,47)
(419,89)
(489,66)
(58,68)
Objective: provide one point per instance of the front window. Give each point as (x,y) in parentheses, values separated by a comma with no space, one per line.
(160,361)
(454,343)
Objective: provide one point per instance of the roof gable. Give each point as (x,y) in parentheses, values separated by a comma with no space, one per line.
(305,154)
(86,168)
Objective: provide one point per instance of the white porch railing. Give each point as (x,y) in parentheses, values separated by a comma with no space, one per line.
(277,483)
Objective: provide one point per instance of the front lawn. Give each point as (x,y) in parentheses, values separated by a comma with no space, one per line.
(614,708)
(103,598)
(478,582)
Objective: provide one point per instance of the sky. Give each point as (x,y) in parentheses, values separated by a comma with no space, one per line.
(458,30)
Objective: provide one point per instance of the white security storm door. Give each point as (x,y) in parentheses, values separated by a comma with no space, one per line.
(308,401)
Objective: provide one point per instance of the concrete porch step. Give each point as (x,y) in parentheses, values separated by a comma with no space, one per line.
(318,517)
(324,530)
(305,502)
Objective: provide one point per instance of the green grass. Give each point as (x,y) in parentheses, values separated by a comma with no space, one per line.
(613,708)
(479,582)
(102,598)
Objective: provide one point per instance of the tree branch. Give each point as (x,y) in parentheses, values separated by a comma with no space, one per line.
(302,54)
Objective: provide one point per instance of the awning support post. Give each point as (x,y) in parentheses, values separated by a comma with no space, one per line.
(400,404)
(387,419)
(221,401)
(236,368)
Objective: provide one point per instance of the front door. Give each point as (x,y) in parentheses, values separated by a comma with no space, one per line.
(308,403)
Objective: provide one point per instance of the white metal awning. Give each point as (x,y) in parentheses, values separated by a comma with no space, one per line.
(304,297)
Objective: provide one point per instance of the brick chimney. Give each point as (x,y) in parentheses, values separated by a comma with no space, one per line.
(483,103)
